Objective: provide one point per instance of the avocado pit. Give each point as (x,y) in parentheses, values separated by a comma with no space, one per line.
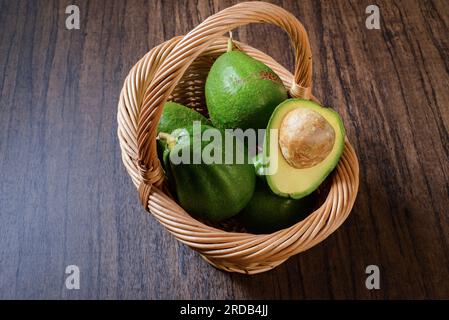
(305,138)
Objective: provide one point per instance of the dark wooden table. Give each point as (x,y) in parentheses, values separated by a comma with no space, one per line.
(66,199)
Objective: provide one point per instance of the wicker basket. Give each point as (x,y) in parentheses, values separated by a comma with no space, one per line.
(176,70)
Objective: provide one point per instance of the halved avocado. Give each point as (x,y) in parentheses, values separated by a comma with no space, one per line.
(309,143)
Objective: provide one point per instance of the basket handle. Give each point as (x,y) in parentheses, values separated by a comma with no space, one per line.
(173,66)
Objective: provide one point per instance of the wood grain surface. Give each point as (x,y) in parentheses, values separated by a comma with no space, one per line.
(65,197)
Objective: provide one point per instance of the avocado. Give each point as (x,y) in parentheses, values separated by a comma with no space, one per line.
(259,165)
(242,92)
(266,212)
(212,191)
(174,116)
(310,141)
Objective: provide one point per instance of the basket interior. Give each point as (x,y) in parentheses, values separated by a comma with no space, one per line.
(190,89)
(190,92)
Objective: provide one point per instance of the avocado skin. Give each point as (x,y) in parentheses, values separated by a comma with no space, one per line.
(210,191)
(242,92)
(266,212)
(174,116)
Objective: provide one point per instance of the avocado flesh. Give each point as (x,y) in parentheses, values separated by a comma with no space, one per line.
(288,181)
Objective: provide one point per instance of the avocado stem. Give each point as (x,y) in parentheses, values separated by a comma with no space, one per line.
(169,139)
(230,43)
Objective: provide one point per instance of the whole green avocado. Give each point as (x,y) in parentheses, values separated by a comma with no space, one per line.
(266,212)
(242,92)
(213,191)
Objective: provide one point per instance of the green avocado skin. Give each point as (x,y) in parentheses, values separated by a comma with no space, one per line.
(174,116)
(267,212)
(210,191)
(242,92)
